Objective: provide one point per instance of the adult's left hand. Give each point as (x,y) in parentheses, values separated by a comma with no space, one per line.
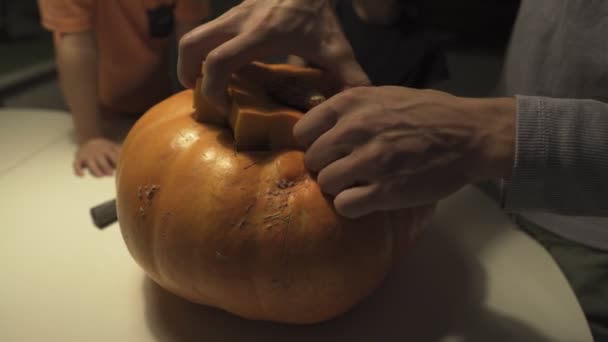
(383,148)
(256,29)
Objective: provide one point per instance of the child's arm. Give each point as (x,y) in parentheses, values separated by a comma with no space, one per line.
(77,62)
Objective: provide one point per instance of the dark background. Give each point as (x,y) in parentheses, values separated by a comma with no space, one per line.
(473,22)
(475,33)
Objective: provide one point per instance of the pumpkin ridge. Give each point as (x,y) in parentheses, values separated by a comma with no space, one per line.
(157,228)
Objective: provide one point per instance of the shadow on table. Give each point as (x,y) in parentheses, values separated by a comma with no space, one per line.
(433,294)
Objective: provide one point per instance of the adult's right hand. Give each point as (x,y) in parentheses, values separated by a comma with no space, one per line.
(98,155)
(256,29)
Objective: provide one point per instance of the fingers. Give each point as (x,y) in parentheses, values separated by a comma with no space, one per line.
(326,115)
(332,129)
(348,71)
(316,122)
(100,163)
(335,54)
(113,156)
(78,166)
(196,44)
(337,176)
(341,140)
(363,200)
(98,167)
(326,149)
(341,66)
(226,59)
(358,201)
(104,165)
(344,173)
(93,167)
(337,58)
(405,192)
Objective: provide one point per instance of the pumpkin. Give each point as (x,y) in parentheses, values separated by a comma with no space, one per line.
(243,226)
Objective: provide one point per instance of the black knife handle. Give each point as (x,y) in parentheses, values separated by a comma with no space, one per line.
(104,214)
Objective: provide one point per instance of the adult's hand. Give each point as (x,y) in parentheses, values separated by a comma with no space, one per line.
(262,28)
(383,148)
(98,155)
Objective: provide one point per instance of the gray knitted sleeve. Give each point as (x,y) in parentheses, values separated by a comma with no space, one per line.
(561,162)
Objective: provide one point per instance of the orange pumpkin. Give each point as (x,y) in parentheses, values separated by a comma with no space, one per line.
(248,231)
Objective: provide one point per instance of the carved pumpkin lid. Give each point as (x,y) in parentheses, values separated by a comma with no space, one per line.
(267,101)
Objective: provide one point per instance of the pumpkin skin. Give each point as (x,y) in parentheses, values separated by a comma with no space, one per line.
(248,232)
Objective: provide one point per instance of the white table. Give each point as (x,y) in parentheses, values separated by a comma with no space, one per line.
(472,277)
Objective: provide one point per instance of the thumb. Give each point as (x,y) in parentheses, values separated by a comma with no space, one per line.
(335,54)
(342,68)
(349,73)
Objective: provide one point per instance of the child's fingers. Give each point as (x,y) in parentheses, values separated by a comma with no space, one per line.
(78,166)
(113,158)
(94,169)
(116,150)
(104,165)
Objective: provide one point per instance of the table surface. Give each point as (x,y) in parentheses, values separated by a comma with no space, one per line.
(473,276)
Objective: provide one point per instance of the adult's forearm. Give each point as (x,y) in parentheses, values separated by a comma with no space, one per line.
(561,160)
(77,62)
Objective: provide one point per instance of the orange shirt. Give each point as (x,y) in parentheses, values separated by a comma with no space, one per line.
(133,70)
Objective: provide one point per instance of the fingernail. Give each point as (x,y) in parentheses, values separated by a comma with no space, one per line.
(315,99)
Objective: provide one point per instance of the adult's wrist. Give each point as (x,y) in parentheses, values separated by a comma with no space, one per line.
(495,136)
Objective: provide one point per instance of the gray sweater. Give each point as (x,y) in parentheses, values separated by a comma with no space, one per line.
(557,66)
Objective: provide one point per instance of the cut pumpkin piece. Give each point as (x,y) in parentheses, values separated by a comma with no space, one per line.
(206,113)
(267,101)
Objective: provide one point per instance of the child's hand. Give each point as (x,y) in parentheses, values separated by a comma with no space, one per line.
(99,155)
